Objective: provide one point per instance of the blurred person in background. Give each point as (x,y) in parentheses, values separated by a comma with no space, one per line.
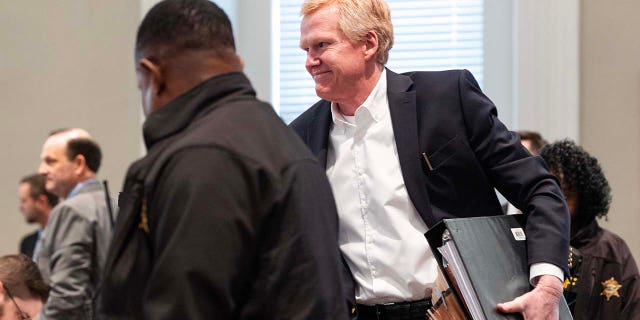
(75,241)
(22,290)
(604,283)
(36,204)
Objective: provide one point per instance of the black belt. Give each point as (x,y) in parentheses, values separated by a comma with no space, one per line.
(395,311)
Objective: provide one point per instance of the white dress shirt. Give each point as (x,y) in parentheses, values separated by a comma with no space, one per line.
(381,233)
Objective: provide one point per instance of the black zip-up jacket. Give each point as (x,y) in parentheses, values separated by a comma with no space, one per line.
(229,216)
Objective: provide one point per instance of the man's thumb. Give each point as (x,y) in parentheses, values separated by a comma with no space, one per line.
(512,306)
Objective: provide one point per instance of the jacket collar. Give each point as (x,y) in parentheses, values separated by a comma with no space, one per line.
(318,131)
(180,112)
(585,234)
(404,118)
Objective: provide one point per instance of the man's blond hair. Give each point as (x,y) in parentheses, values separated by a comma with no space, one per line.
(357,18)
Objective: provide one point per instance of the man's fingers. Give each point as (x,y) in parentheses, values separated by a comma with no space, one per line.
(512,306)
(541,303)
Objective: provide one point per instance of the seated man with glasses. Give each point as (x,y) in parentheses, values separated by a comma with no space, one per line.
(22,290)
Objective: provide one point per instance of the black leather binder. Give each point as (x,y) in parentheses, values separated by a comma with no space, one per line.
(493,251)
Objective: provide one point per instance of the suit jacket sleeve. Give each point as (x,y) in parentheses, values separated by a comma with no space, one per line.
(228,242)
(28,243)
(70,266)
(522,179)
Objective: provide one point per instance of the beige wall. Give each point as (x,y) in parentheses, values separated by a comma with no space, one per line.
(610,106)
(64,63)
(548,67)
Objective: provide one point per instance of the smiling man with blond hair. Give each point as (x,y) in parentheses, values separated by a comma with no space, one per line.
(404,151)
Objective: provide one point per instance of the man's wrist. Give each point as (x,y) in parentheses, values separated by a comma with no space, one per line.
(542,268)
(549,284)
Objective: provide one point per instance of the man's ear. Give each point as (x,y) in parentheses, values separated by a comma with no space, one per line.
(241,61)
(42,200)
(370,45)
(2,293)
(153,73)
(80,164)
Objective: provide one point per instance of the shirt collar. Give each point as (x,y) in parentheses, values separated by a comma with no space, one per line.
(78,187)
(374,105)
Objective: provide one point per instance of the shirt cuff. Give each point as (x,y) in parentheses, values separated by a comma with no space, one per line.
(543,268)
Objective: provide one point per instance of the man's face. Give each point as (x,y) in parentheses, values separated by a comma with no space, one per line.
(58,170)
(28,206)
(336,64)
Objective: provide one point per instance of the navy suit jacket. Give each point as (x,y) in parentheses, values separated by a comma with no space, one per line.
(446,117)
(28,244)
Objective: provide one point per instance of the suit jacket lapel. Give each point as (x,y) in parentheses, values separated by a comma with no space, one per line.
(402,105)
(318,132)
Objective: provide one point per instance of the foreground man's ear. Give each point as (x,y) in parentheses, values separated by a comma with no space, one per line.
(154,74)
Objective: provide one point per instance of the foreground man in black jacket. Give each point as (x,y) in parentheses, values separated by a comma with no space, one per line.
(228,216)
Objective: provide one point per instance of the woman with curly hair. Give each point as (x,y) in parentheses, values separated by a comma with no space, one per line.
(604,283)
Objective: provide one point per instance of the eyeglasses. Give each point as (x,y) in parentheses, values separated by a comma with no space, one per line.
(23,315)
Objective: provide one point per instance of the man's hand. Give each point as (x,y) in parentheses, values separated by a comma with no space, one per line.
(540,303)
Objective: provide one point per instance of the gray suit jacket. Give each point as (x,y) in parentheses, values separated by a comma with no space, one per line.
(73,252)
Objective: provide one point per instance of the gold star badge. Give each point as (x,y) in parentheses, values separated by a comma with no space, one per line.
(610,288)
